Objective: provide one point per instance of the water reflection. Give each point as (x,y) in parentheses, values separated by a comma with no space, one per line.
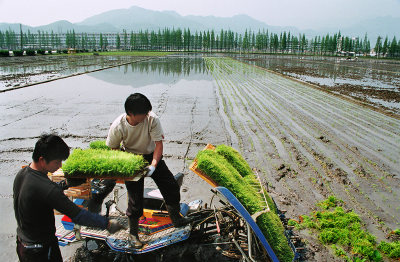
(66,64)
(156,71)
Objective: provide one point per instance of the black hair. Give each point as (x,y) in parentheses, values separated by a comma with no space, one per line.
(50,147)
(137,104)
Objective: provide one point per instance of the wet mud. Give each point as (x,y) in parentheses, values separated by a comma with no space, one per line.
(305,143)
(375,82)
(308,144)
(81,109)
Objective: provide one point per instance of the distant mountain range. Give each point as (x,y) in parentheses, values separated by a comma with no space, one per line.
(136,18)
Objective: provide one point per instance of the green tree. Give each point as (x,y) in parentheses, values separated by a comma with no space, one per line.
(118,42)
(283,42)
(101,42)
(132,41)
(212,40)
(125,39)
(385,46)
(393,48)
(246,41)
(378,46)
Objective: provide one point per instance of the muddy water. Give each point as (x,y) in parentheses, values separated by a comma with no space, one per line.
(81,109)
(376,82)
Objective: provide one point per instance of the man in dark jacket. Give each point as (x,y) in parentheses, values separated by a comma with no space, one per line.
(36,197)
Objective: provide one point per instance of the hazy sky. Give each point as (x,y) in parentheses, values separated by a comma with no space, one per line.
(303,14)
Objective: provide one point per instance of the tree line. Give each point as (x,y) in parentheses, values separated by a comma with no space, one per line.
(206,41)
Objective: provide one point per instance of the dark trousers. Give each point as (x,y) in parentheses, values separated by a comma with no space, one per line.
(48,252)
(104,188)
(165,182)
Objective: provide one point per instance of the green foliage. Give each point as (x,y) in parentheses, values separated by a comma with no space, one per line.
(339,251)
(366,249)
(292,222)
(106,163)
(339,228)
(18,53)
(235,159)
(225,174)
(99,144)
(274,232)
(309,222)
(176,39)
(344,228)
(331,201)
(30,52)
(329,236)
(124,53)
(219,169)
(4,53)
(251,180)
(392,250)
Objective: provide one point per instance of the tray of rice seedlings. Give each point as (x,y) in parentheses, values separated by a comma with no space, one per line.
(105,164)
(99,144)
(235,159)
(224,166)
(200,173)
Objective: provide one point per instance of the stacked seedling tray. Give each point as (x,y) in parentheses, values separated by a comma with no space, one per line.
(224,166)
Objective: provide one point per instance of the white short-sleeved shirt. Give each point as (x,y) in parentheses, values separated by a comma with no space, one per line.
(139,139)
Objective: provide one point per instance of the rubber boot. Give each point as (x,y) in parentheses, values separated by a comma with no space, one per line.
(134,233)
(103,188)
(176,217)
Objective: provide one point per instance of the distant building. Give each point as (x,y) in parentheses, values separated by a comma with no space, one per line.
(372,53)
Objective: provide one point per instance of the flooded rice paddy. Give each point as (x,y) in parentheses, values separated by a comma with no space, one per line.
(373,81)
(305,142)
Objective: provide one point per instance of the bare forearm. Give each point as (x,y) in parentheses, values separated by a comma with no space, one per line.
(158,152)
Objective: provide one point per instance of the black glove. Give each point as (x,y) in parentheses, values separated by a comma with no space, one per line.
(114,226)
(72,182)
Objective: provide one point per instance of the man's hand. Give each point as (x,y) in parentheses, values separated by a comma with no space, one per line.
(72,182)
(114,226)
(149,171)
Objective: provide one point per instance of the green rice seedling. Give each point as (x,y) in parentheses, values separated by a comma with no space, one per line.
(219,169)
(235,159)
(343,230)
(340,252)
(331,201)
(273,230)
(252,180)
(102,163)
(392,250)
(99,144)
